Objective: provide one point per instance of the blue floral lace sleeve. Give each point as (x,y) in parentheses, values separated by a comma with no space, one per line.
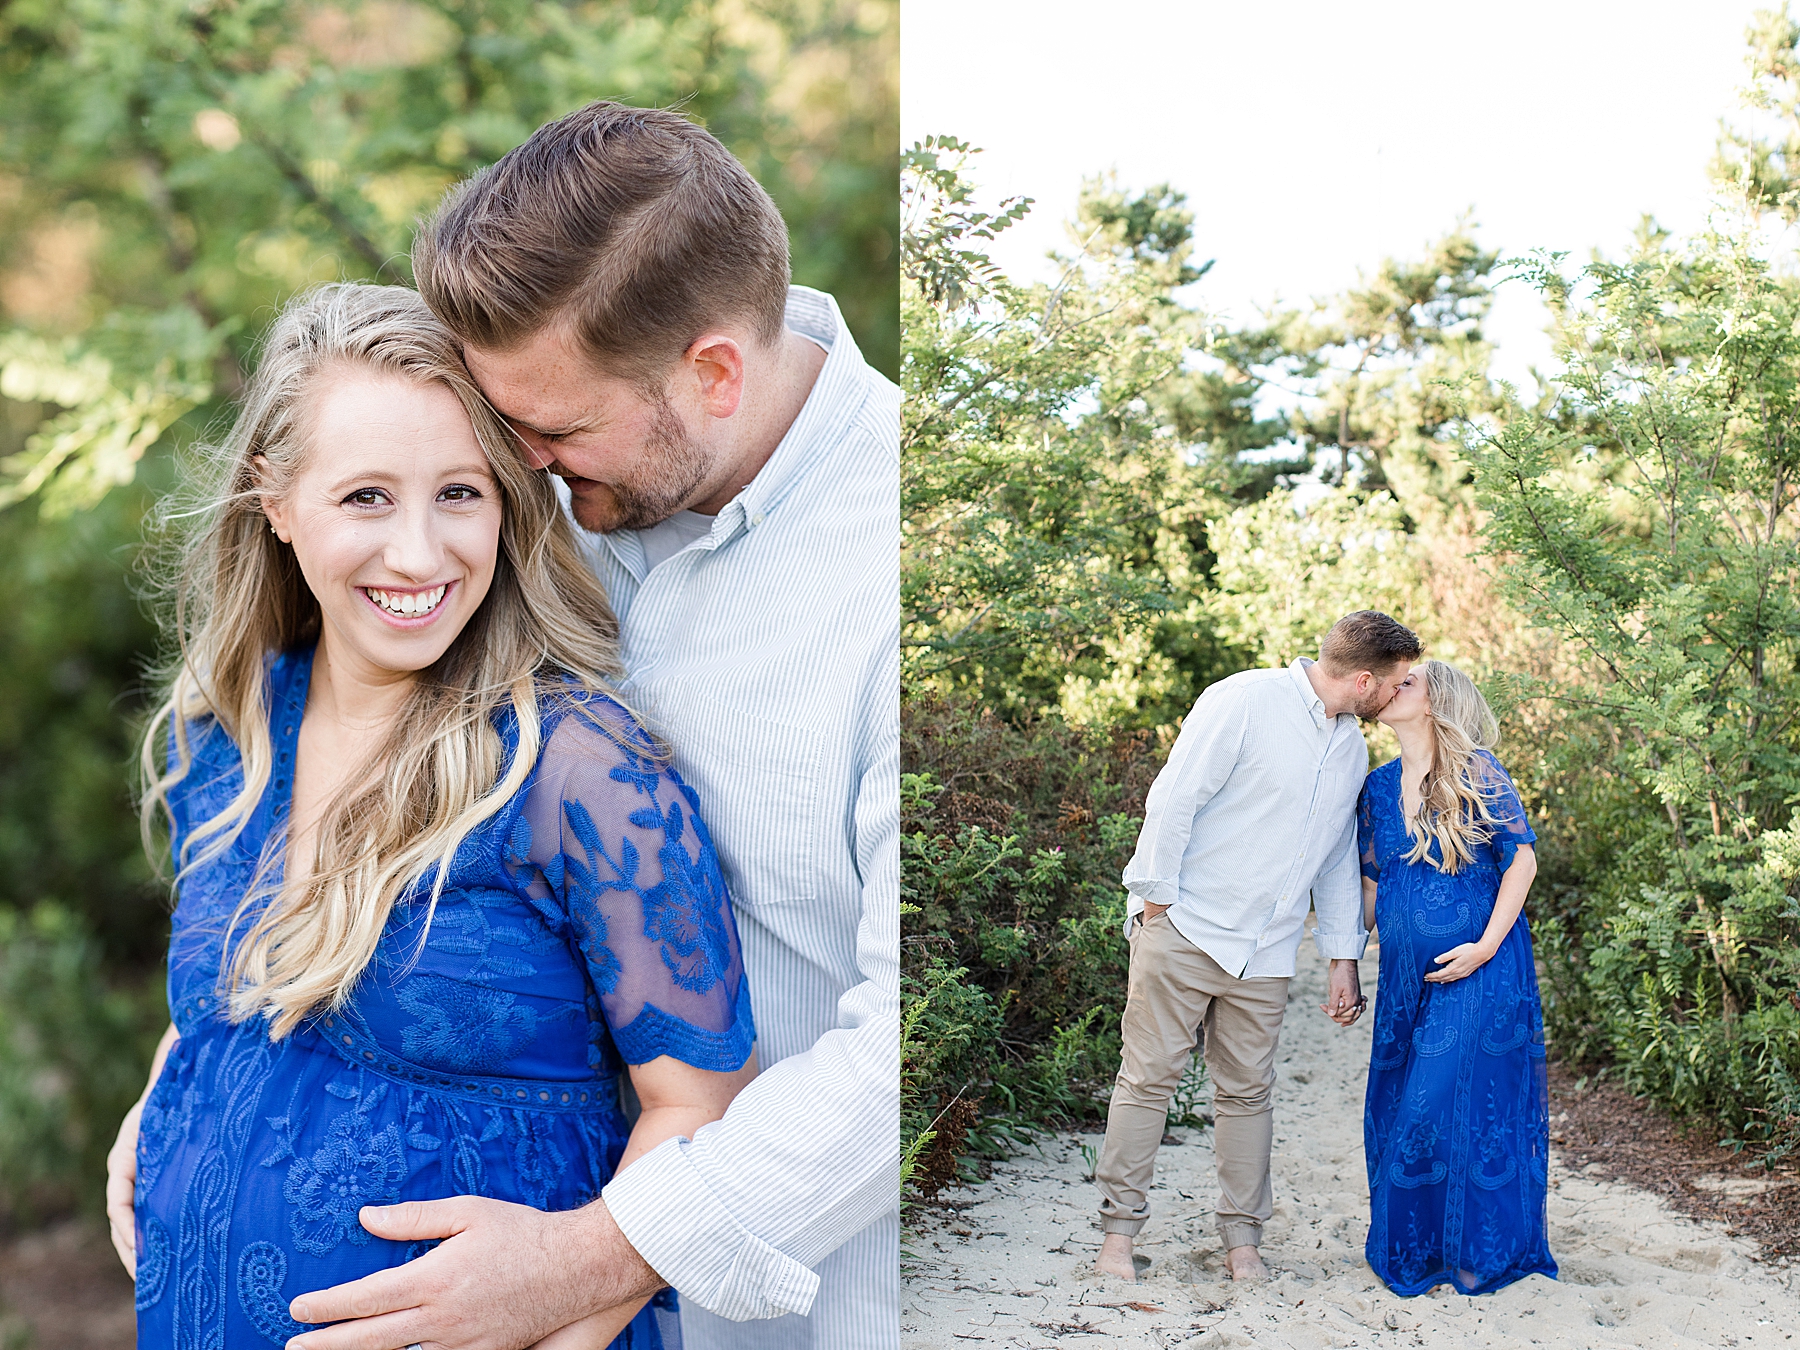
(1512,827)
(214,776)
(619,841)
(1365,832)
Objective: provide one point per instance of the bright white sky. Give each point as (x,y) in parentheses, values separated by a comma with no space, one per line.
(1314,139)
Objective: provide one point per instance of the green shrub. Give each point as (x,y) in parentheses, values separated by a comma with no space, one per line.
(1648,517)
(73,647)
(1014,961)
(74,1051)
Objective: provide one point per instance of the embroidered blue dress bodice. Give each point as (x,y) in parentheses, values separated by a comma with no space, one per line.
(584,927)
(1456,1119)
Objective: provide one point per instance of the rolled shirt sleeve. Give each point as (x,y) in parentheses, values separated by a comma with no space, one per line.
(808,1155)
(1337,901)
(1199,765)
(1251,819)
(767,652)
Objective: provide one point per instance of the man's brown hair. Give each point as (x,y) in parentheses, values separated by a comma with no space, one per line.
(1367,640)
(632,224)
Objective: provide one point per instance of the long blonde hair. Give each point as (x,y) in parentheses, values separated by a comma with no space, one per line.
(1453,805)
(236,597)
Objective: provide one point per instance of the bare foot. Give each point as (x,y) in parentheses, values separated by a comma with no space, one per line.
(1115,1257)
(1246,1264)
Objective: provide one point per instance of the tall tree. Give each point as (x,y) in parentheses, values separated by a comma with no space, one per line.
(174,169)
(1765,164)
(1675,577)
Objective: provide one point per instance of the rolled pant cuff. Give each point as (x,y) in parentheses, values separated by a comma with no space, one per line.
(1241,1235)
(1129,1227)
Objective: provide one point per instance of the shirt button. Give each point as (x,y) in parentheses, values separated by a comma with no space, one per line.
(757,519)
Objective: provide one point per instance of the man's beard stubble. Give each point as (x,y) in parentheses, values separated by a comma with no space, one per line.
(666,478)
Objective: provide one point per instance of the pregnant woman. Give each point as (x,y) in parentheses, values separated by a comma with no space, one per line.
(1456,1124)
(438,894)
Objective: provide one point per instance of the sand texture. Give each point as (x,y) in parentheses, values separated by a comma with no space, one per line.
(1009,1263)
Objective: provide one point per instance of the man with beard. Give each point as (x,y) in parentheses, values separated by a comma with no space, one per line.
(1254,813)
(620,285)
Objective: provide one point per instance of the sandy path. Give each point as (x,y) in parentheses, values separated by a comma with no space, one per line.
(1014,1267)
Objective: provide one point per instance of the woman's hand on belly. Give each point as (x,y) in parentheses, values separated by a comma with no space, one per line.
(121,1165)
(121,1186)
(1459,963)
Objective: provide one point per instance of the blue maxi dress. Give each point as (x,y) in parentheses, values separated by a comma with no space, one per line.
(583,928)
(1456,1129)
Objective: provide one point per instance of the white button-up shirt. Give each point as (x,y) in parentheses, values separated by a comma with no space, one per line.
(1254,816)
(767,652)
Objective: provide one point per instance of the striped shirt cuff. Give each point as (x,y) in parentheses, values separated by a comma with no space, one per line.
(1333,947)
(689,1238)
(1153,891)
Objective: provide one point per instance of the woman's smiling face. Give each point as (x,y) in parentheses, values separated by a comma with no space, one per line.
(394,517)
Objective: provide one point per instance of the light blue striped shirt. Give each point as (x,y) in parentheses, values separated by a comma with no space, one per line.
(1253,816)
(767,652)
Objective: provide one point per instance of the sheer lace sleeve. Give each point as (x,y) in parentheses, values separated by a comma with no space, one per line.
(214,775)
(1365,831)
(619,841)
(1511,825)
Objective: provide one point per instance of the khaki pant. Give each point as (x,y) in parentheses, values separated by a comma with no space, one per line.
(1175,989)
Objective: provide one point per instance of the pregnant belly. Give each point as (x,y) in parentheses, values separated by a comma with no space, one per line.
(1420,918)
(254,1160)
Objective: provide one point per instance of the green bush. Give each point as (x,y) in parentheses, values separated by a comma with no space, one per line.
(1648,517)
(1013,956)
(73,648)
(74,1052)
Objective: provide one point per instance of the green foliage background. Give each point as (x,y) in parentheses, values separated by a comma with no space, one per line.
(1099,504)
(1111,501)
(170,172)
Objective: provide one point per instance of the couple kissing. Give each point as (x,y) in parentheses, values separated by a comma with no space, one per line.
(1266,806)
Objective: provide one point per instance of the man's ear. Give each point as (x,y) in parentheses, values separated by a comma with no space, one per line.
(716,361)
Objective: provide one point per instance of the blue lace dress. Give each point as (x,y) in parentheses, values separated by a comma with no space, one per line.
(1456,1121)
(583,928)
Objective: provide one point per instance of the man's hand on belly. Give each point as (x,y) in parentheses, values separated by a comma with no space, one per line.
(504,1277)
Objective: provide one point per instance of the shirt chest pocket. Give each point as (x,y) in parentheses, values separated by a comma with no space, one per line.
(760,782)
(1335,800)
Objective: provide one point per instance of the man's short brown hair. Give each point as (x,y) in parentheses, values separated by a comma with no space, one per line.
(632,224)
(1367,640)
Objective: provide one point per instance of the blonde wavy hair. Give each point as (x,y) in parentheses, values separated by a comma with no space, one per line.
(235,597)
(1454,808)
